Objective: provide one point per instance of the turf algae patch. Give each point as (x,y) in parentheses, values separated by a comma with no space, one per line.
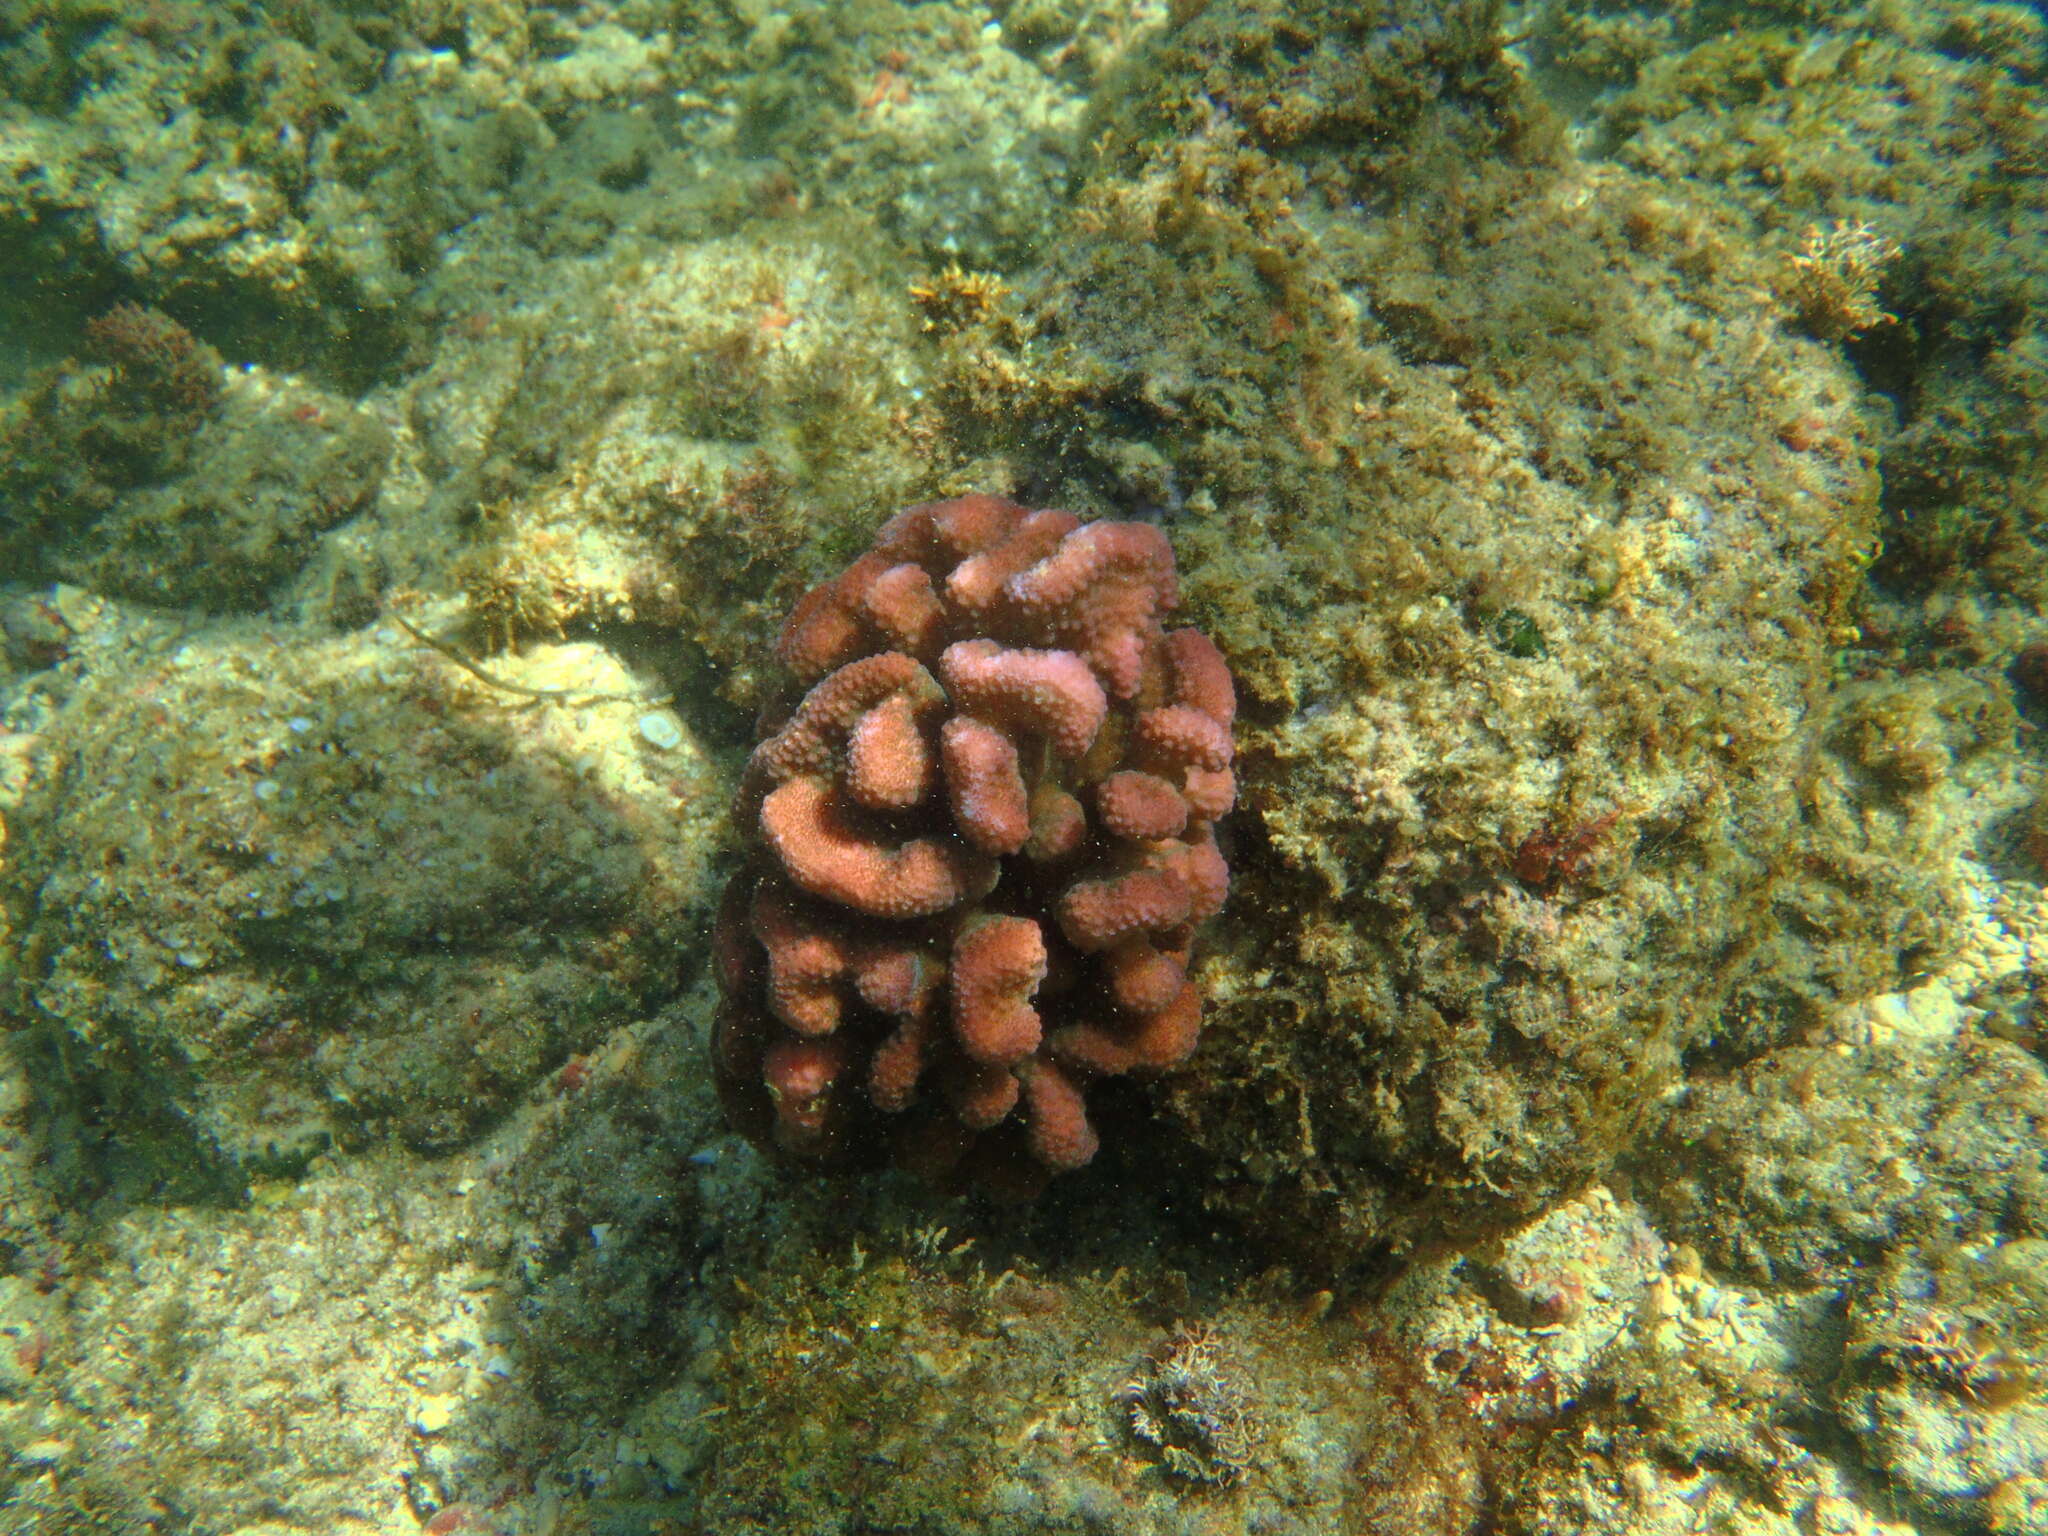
(278,892)
(1470,449)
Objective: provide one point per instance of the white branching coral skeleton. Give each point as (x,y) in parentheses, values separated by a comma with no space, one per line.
(1832,284)
(1185,1402)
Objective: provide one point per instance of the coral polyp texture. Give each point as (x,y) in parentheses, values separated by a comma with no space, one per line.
(984,841)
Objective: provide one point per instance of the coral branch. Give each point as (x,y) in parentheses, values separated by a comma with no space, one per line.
(991,712)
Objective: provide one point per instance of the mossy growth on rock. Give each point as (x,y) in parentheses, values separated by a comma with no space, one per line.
(1471,450)
(145,468)
(270,900)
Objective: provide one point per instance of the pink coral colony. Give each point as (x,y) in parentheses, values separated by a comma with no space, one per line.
(986,839)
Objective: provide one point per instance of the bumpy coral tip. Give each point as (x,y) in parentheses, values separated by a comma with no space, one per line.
(1140,806)
(800,1076)
(1180,737)
(1097,913)
(983,1095)
(998,963)
(985,785)
(1143,979)
(967,525)
(888,765)
(823,853)
(1201,677)
(1048,693)
(1058,825)
(819,634)
(1058,1128)
(902,608)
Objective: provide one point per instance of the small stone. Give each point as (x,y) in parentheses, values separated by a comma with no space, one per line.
(79,609)
(433,1415)
(661,730)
